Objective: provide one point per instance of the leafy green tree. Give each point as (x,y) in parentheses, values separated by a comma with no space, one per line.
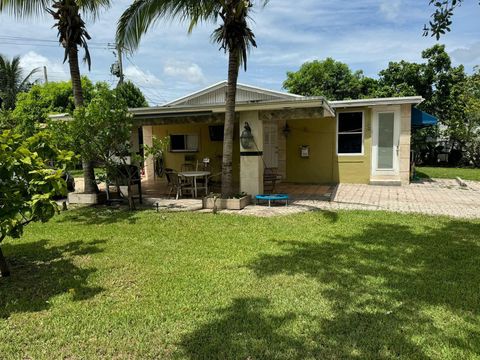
(72,34)
(233,35)
(329,78)
(34,107)
(468,130)
(101,133)
(131,94)
(28,183)
(12,81)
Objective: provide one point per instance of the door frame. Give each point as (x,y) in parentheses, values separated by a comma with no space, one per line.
(395,171)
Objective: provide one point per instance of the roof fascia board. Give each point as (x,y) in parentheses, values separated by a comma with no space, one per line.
(376,102)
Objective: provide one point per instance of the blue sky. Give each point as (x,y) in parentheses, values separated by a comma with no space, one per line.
(365,34)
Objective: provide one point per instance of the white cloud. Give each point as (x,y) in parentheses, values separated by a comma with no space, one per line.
(391,9)
(56,71)
(189,72)
(467,54)
(140,77)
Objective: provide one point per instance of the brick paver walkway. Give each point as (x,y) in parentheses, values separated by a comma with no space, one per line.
(436,197)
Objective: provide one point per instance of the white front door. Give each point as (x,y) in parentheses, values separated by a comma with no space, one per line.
(270,144)
(386,142)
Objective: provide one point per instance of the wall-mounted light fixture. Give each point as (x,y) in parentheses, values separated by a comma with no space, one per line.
(246,138)
(286,130)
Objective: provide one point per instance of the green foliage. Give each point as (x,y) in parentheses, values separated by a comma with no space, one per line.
(441,19)
(28,182)
(131,94)
(6,120)
(158,148)
(12,81)
(34,107)
(102,129)
(101,133)
(329,78)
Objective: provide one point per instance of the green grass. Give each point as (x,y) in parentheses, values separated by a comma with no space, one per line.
(103,284)
(448,173)
(79,172)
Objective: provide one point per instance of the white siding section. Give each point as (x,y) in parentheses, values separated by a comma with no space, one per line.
(218,97)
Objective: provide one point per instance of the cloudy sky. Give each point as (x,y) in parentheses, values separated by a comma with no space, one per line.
(366,34)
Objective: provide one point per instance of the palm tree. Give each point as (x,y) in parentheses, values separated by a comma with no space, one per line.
(233,35)
(72,34)
(12,81)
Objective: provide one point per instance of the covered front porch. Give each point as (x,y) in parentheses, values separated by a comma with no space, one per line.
(196,143)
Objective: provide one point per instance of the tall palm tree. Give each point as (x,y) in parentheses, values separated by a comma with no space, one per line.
(233,35)
(72,34)
(12,81)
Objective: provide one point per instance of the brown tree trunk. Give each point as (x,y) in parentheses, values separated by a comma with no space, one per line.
(88,166)
(4,270)
(227,170)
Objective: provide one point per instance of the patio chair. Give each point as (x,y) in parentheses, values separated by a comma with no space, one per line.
(177,184)
(188,167)
(270,178)
(121,177)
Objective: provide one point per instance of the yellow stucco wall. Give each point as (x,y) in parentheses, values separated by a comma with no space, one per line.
(356,169)
(207,148)
(319,135)
(324,166)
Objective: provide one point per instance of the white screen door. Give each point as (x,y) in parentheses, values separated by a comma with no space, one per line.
(270,144)
(386,135)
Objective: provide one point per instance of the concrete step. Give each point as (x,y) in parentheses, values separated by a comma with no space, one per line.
(386,182)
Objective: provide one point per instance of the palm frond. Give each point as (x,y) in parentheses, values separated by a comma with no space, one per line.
(234,34)
(24,8)
(12,80)
(143,14)
(71,28)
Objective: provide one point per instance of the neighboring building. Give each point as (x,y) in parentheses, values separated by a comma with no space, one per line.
(308,139)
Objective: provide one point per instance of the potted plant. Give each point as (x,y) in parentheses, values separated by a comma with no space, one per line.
(217,202)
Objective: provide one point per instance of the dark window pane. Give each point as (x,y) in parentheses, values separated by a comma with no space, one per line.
(177,142)
(350,122)
(349,143)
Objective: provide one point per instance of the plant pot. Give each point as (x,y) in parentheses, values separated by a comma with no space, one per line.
(226,204)
(87,199)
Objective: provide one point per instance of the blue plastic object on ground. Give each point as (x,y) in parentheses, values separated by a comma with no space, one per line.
(272,197)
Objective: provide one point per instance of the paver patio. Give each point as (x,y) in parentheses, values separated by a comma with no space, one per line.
(431,197)
(434,197)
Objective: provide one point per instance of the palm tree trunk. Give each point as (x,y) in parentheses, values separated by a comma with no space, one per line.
(227,169)
(4,270)
(88,166)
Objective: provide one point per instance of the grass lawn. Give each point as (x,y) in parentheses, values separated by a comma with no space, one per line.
(101,283)
(448,173)
(79,172)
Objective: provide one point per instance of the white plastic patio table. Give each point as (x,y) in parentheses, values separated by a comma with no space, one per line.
(195,175)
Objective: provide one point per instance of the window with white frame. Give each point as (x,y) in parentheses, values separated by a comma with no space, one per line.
(184,143)
(350,133)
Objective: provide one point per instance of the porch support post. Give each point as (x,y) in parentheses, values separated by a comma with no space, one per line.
(147,140)
(251,160)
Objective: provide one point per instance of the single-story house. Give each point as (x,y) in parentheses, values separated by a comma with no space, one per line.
(309,140)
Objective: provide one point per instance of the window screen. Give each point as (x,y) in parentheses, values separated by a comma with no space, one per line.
(184,143)
(350,133)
